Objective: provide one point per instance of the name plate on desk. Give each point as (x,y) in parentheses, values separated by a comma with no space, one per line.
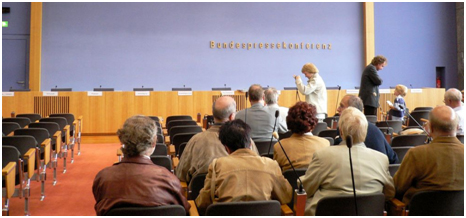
(352,91)
(142,93)
(228,92)
(384,91)
(49,93)
(8,94)
(92,93)
(416,90)
(182,93)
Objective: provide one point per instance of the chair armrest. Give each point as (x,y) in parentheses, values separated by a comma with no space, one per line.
(165,131)
(30,158)
(403,126)
(75,125)
(9,173)
(184,186)
(171,150)
(193,210)
(175,161)
(395,207)
(11,133)
(286,211)
(80,119)
(46,145)
(395,134)
(67,134)
(57,137)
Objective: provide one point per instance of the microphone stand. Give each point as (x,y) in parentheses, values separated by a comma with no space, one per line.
(349,143)
(277,112)
(429,139)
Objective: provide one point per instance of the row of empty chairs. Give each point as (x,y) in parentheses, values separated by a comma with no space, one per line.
(34,143)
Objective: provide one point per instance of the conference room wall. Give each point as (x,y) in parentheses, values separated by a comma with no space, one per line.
(166,45)
(417,38)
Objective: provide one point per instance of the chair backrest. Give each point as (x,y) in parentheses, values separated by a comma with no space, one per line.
(32,117)
(195,185)
(392,168)
(408,140)
(329,121)
(249,208)
(178,117)
(437,203)
(319,127)
(40,134)
(386,130)
(423,109)
(165,210)
(395,124)
(285,135)
(22,142)
(8,127)
(160,149)
(50,126)
(417,115)
(343,205)
(371,118)
(22,121)
(69,119)
(332,133)
(180,138)
(61,121)
(182,147)
(174,123)
(263,147)
(290,175)
(162,160)
(461,138)
(10,154)
(401,152)
(155,118)
(184,129)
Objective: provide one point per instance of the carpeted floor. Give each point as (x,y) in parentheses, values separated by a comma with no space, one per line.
(72,195)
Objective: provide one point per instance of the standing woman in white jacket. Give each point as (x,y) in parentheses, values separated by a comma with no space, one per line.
(315,90)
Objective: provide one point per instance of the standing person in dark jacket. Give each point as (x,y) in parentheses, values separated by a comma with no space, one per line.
(375,138)
(370,82)
(136,180)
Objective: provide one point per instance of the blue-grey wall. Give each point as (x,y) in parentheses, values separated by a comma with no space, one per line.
(416,38)
(165,45)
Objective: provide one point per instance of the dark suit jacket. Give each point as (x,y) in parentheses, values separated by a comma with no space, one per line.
(369,89)
(376,141)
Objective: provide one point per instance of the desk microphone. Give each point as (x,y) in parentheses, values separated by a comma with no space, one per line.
(100,86)
(349,143)
(300,187)
(411,86)
(277,112)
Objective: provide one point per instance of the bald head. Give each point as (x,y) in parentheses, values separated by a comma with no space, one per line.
(452,98)
(223,108)
(443,121)
(350,101)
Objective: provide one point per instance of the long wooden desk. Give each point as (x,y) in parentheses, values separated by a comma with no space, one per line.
(105,114)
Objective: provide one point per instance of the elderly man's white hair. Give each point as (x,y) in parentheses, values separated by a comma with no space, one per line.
(353,122)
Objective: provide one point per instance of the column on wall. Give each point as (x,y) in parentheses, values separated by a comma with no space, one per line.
(35,46)
(369,32)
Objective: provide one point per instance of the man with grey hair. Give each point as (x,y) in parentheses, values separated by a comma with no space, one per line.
(271,99)
(375,138)
(259,119)
(452,98)
(435,166)
(203,147)
(136,180)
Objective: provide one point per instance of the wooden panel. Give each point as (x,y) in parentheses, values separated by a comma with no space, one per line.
(369,32)
(140,105)
(46,105)
(35,46)
(116,110)
(96,121)
(79,106)
(203,102)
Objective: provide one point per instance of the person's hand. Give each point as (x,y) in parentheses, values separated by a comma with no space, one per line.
(295,76)
(391,107)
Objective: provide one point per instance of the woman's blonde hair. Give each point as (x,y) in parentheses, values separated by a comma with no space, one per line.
(310,68)
(353,122)
(401,89)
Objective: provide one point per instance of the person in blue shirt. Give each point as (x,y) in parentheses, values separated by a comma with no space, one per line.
(396,112)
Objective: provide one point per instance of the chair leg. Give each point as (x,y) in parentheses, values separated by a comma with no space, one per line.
(71,146)
(6,208)
(27,193)
(43,176)
(54,166)
(79,143)
(64,155)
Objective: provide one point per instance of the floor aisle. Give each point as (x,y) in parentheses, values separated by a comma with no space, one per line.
(72,195)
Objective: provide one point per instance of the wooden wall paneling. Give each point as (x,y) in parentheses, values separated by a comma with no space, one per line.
(116,110)
(287,98)
(333,100)
(97,111)
(202,102)
(25,103)
(8,105)
(141,105)
(79,106)
(164,104)
(432,97)
(186,105)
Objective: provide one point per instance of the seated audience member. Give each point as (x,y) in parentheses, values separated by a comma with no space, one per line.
(435,166)
(302,144)
(203,147)
(136,181)
(452,98)
(260,120)
(329,172)
(375,139)
(243,175)
(271,99)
